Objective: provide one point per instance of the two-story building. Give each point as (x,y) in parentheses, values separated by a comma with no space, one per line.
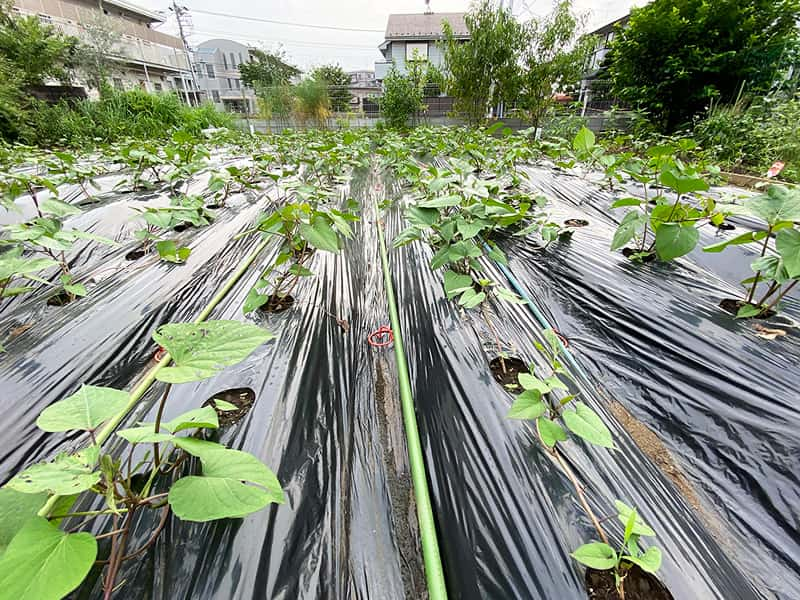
(595,89)
(362,85)
(143,57)
(216,64)
(417,37)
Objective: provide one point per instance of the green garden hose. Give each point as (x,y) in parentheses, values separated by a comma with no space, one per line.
(142,387)
(434,573)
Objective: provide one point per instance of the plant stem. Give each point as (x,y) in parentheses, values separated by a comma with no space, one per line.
(496,337)
(780,297)
(749,299)
(581,495)
(157,425)
(773,287)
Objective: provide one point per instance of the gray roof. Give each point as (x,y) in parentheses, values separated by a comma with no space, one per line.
(425,26)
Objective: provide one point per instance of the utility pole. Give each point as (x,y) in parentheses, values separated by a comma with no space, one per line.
(180,13)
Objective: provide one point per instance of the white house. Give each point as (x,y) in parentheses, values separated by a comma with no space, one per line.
(216,65)
(417,35)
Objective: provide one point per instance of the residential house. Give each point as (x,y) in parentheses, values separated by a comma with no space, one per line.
(216,65)
(594,92)
(362,85)
(417,37)
(144,58)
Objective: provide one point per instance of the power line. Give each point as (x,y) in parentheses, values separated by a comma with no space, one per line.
(261,20)
(238,36)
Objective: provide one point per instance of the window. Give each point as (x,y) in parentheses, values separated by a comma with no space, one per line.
(230,84)
(237,83)
(224,61)
(215,95)
(416,51)
(233,61)
(210,71)
(118,83)
(45,19)
(241,60)
(158,87)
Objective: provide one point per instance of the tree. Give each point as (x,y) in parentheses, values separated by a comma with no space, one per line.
(265,69)
(485,70)
(554,60)
(38,52)
(337,81)
(93,57)
(402,95)
(312,101)
(675,56)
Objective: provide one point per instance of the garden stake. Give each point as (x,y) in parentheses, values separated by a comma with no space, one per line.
(434,573)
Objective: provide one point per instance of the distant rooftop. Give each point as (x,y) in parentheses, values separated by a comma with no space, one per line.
(424,26)
(608,27)
(153,16)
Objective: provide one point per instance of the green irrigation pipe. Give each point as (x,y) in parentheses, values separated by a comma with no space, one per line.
(434,573)
(142,387)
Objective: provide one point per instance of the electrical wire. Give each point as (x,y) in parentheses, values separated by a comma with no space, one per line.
(289,23)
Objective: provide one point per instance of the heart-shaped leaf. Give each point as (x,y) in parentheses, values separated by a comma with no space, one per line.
(596,555)
(84,410)
(585,423)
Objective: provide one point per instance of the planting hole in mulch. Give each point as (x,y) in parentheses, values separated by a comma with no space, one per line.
(241,398)
(300,255)
(182,226)
(646,258)
(60,299)
(576,222)
(215,206)
(725,226)
(732,306)
(135,254)
(508,378)
(277,304)
(639,585)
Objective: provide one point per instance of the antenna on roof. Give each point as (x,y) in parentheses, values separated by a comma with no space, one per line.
(428,10)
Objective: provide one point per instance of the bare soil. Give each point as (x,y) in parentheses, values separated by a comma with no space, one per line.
(638,585)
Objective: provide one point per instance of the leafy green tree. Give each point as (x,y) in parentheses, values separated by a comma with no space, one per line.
(266,69)
(675,56)
(312,101)
(337,81)
(402,95)
(554,60)
(37,52)
(485,70)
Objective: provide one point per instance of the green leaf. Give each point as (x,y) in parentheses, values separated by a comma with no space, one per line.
(204,417)
(528,405)
(747,310)
(85,410)
(650,561)
(67,474)
(456,283)
(57,208)
(169,251)
(441,202)
(531,382)
(596,555)
(626,202)
(683,184)
(300,271)
(320,234)
(76,289)
(508,296)
(497,255)
(11,265)
(787,242)
(630,224)
(777,204)
(220,493)
(16,509)
(44,563)
(629,525)
(469,230)
(554,383)
(425,217)
(406,236)
(550,432)
(201,350)
(745,238)
(470,298)
(583,141)
(624,513)
(254,300)
(585,423)
(673,240)
(144,435)
(197,447)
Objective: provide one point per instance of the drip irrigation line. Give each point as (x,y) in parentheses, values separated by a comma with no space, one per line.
(434,572)
(142,387)
(539,316)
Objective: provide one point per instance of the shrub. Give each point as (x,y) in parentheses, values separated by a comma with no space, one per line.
(312,101)
(401,100)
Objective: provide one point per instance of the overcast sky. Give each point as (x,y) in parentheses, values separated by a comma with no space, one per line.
(308,47)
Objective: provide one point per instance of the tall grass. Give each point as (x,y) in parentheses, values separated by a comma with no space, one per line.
(117,115)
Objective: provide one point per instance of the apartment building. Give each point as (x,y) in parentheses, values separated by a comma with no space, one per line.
(143,57)
(216,64)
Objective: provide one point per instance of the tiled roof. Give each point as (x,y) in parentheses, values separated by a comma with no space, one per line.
(424,25)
